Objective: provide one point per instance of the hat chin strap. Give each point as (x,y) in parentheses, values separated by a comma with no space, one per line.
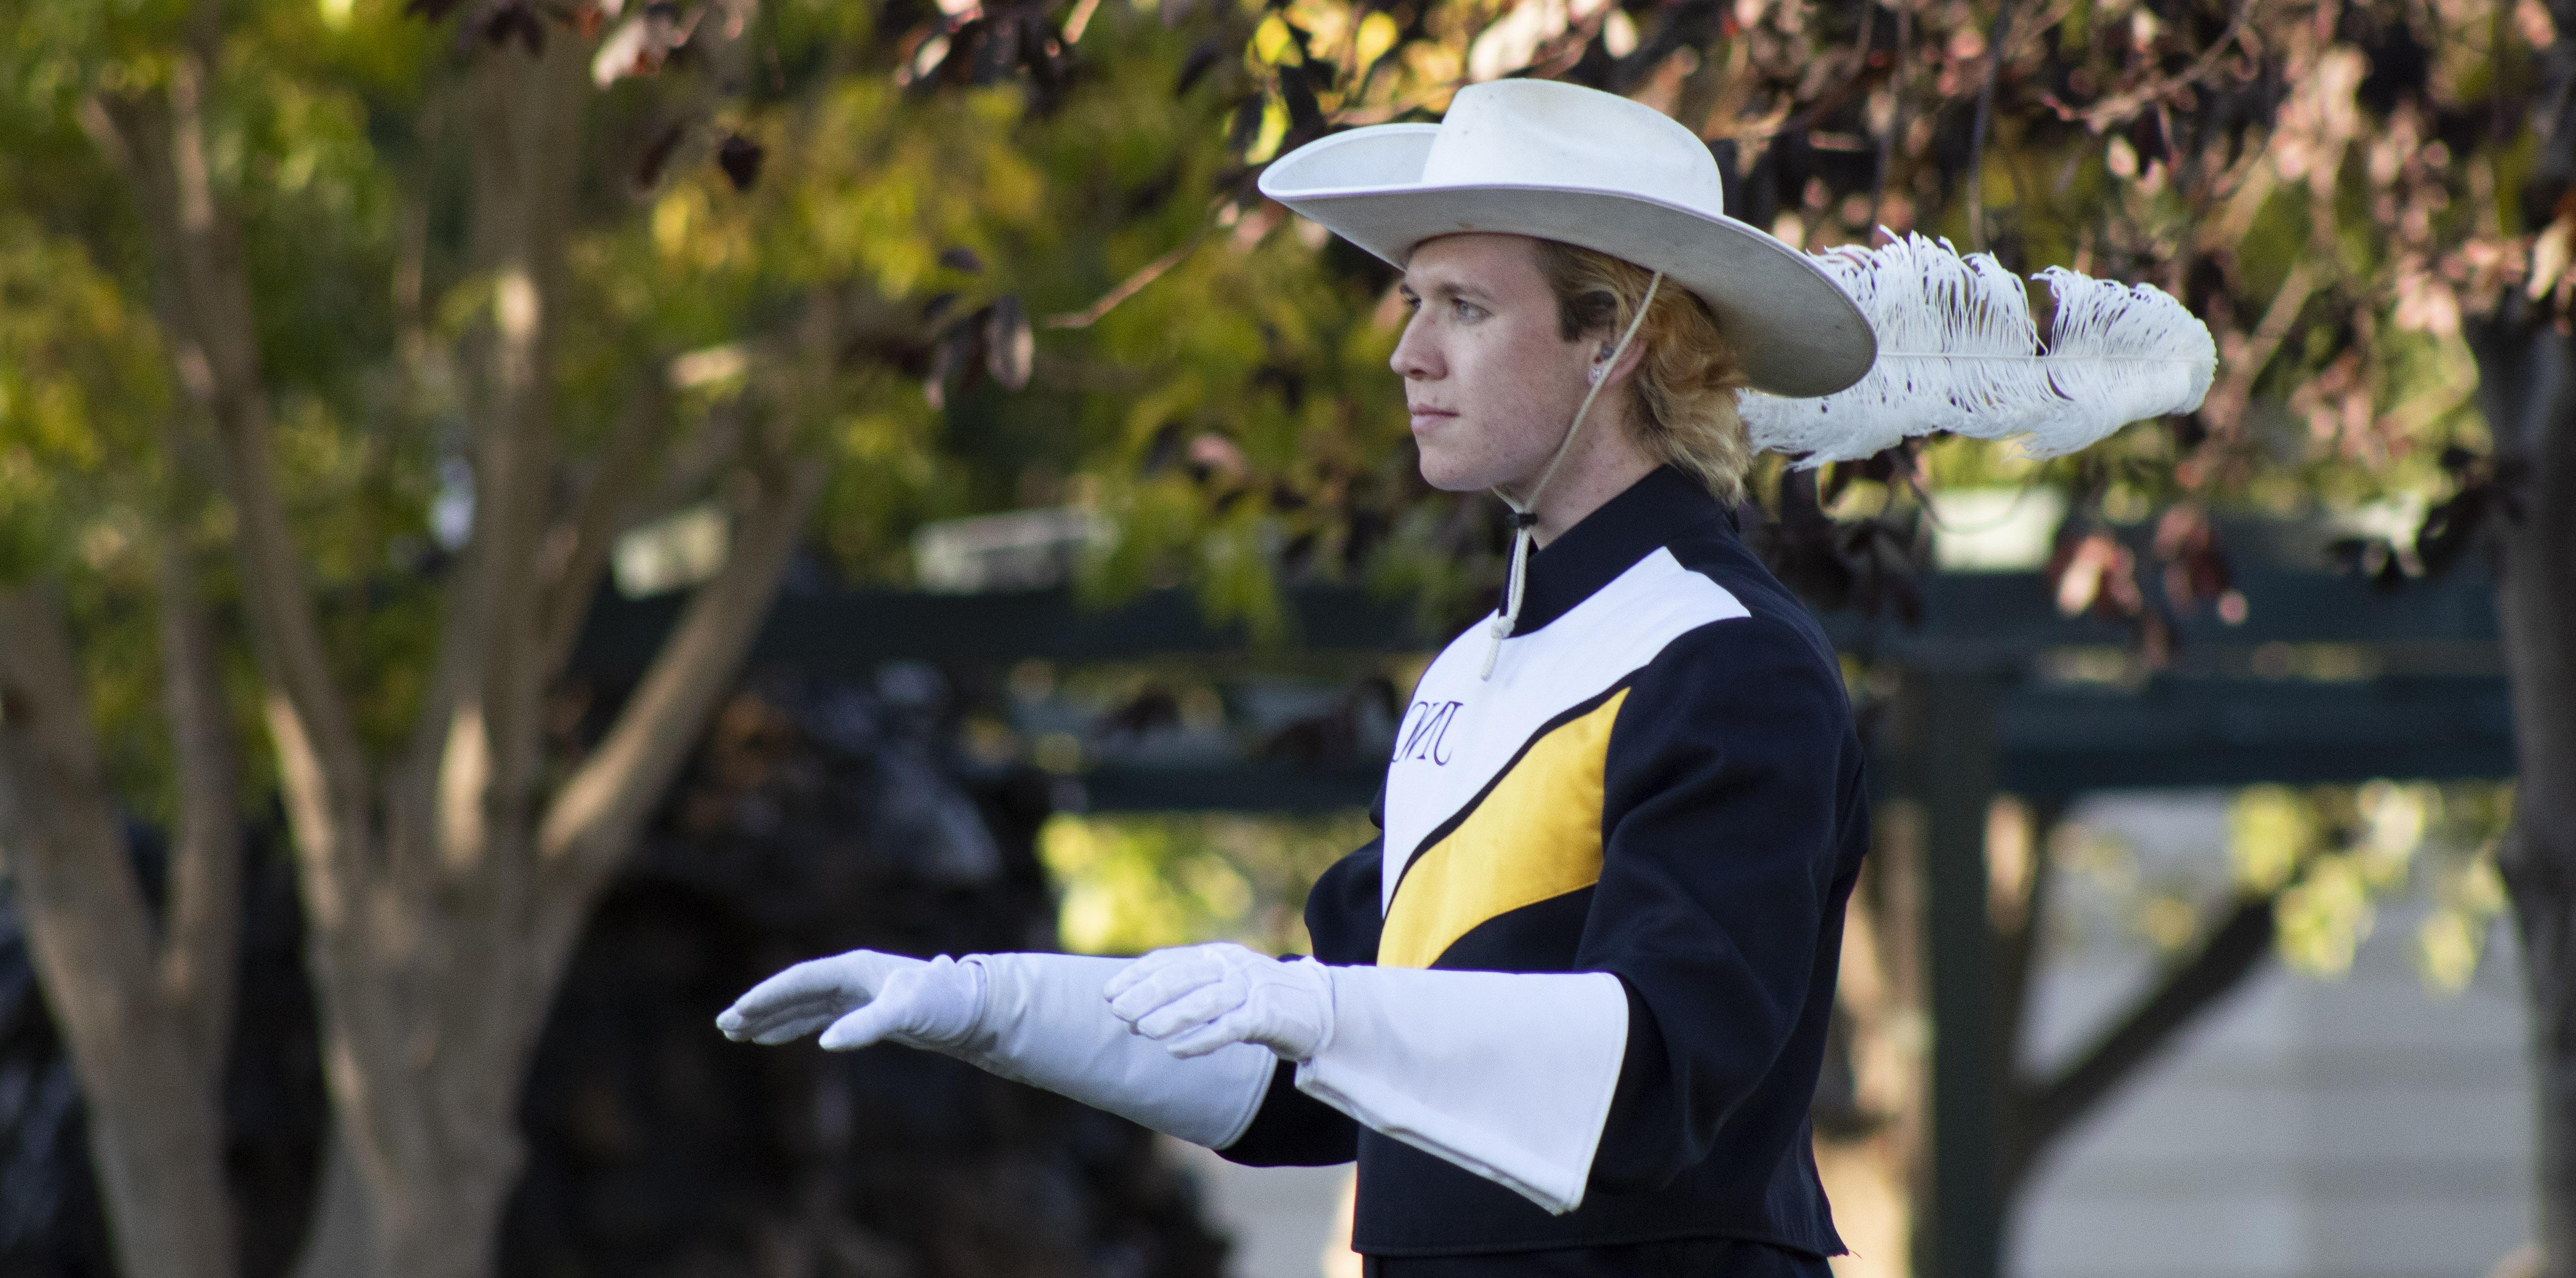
(1525,513)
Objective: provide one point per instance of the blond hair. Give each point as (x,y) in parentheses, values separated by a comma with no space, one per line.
(1682,400)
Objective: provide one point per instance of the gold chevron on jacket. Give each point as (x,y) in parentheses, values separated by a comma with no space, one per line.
(1533,836)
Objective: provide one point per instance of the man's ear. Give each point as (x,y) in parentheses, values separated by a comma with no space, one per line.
(1626,367)
(1600,365)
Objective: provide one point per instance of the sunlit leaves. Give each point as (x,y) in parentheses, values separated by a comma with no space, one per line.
(83,388)
(1377,34)
(1261,437)
(1133,883)
(1273,43)
(2271,834)
(2467,894)
(2332,907)
(2338,856)
(1271,130)
(2325,917)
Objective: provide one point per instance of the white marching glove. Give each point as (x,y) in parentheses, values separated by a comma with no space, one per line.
(1038,1019)
(863,997)
(1199,998)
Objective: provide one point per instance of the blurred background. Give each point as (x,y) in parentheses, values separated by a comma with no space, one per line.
(519,518)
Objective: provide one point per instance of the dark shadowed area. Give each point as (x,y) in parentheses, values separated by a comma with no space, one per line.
(814,818)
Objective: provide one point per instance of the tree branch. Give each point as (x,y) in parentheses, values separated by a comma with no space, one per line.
(717,443)
(66,848)
(1133,284)
(1895,117)
(2226,402)
(577,551)
(1977,126)
(471,759)
(204,303)
(2045,1111)
(597,812)
(1150,271)
(2118,107)
(527,126)
(203,911)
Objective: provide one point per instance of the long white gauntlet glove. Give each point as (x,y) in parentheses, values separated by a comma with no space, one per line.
(1038,1019)
(1506,1074)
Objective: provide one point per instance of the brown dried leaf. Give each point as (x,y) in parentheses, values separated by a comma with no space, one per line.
(740,159)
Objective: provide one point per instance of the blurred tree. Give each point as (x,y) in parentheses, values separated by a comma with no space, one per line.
(418,313)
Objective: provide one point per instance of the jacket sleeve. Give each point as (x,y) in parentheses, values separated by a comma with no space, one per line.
(1293,1129)
(1732,772)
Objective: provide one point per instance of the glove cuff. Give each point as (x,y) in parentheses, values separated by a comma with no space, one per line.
(1043,1020)
(1326,993)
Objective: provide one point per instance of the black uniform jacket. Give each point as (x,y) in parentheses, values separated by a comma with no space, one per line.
(1731,822)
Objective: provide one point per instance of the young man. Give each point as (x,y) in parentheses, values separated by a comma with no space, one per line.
(1570,1008)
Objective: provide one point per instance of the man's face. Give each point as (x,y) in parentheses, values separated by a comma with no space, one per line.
(1490,384)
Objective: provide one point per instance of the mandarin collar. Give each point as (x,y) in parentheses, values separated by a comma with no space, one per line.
(1657,509)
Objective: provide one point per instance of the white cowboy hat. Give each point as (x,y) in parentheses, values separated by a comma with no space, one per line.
(1561,162)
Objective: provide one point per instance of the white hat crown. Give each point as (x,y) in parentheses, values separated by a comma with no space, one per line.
(1544,133)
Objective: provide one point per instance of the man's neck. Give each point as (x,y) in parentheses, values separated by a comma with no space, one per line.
(1578,490)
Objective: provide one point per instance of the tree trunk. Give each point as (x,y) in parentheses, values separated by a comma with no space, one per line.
(152,1085)
(341,1242)
(432,1019)
(2528,381)
(1870,1141)
(2544,913)
(155,1129)
(427,1058)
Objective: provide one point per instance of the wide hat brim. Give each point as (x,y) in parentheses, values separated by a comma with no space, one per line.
(1796,332)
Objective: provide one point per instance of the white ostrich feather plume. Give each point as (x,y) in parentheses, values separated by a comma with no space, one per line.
(1958,351)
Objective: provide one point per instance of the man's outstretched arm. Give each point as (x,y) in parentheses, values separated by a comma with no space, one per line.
(1038,1019)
